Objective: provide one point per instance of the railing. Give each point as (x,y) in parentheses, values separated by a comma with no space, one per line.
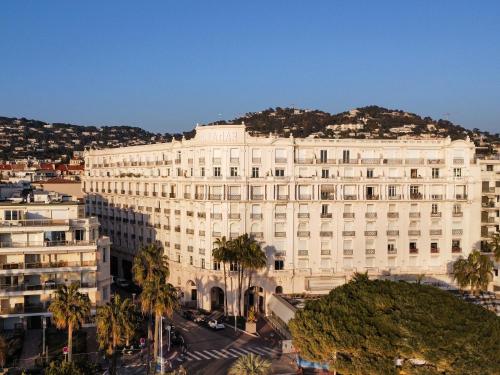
(46,286)
(457,232)
(256,216)
(435,161)
(280,160)
(348,251)
(189,231)
(414,161)
(256,160)
(348,233)
(325,252)
(326,215)
(372,197)
(303,253)
(46,244)
(303,233)
(279,234)
(370,251)
(327,196)
(187,196)
(257,234)
(413,232)
(233,216)
(216,234)
(416,196)
(303,215)
(216,216)
(257,197)
(392,232)
(413,250)
(458,161)
(437,197)
(435,232)
(280,215)
(234,197)
(199,196)
(393,215)
(326,161)
(234,160)
(33,223)
(215,197)
(370,215)
(393,161)
(304,161)
(216,160)
(436,214)
(394,196)
(392,251)
(434,250)
(201,233)
(414,215)
(348,215)
(201,160)
(370,161)
(370,233)
(460,196)
(457,214)
(326,233)
(456,249)
(348,161)
(350,197)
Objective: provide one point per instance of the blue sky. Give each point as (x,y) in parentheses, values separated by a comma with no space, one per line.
(167,65)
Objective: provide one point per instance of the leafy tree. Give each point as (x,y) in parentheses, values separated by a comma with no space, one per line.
(475,271)
(363,326)
(250,364)
(223,253)
(114,324)
(69,309)
(493,245)
(66,368)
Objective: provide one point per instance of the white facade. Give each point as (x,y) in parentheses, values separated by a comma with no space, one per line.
(42,246)
(322,208)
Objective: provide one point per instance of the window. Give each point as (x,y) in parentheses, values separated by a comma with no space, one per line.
(79,235)
(457,208)
(413,247)
(457,172)
(392,190)
(233,171)
(279,172)
(12,215)
(391,247)
(369,173)
(279,264)
(191,260)
(104,255)
(217,172)
(434,208)
(203,263)
(324,209)
(413,173)
(255,172)
(489,168)
(345,156)
(435,172)
(323,156)
(434,248)
(216,266)
(325,173)
(202,171)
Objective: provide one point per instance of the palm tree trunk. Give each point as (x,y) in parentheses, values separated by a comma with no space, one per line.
(157,327)
(225,289)
(148,341)
(248,292)
(70,341)
(240,286)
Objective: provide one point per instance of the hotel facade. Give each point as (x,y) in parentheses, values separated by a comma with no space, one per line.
(321,208)
(43,246)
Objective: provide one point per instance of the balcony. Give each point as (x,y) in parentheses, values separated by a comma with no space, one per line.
(372,197)
(435,232)
(393,161)
(304,197)
(171,195)
(393,215)
(437,197)
(201,214)
(303,215)
(304,161)
(458,161)
(348,233)
(326,215)
(414,215)
(435,161)
(215,197)
(216,234)
(234,216)
(348,252)
(217,216)
(414,161)
(326,161)
(369,251)
(233,235)
(370,233)
(436,214)
(325,252)
(280,215)
(257,234)
(394,197)
(257,197)
(489,190)
(216,161)
(177,228)
(350,197)
(327,233)
(457,232)
(392,232)
(33,223)
(201,233)
(461,197)
(416,196)
(413,232)
(283,197)
(456,249)
(348,215)
(348,161)
(457,214)
(280,160)
(370,161)
(256,216)
(279,234)
(256,160)
(45,244)
(434,250)
(199,196)
(44,265)
(189,231)
(370,215)
(303,233)
(303,253)
(234,197)
(201,161)
(413,250)
(392,251)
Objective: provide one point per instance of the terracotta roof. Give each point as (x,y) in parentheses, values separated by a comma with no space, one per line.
(5,167)
(58,180)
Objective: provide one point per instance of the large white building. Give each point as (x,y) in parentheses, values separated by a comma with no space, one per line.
(44,245)
(322,208)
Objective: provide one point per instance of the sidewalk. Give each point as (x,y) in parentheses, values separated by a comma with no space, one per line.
(31,348)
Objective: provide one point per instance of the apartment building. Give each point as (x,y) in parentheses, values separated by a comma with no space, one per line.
(321,208)
(42,246)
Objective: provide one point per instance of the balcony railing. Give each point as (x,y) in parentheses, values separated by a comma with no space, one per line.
(456,249)
(233,216)
(257,234)
(326,215)
(370,215)
(325,252)
(303,215)
(280,215)
(304,197)
(370,161)
(279,234)
(370,251)
(217,216)
(303,233)
(457,232)
(33,223)
(392,251)
(216,234)
(348,252)
(280,160)
(435,232)
(460,196)
(348,161)
(327,233)
(350,197)
(257,197)
(413,232)
(434,250)
(370,233)
(392,232)
(414,215)
(393,215)
(373,197)
(199,196)
(282,197)
(348,215)
(303,253)
(46,244)
(416,196)
(59,264)
(348,233)
(304,161)
(217,197)
(413,250)
(436,214)
(234,197)
(256,160)
(457,214)
(256,216)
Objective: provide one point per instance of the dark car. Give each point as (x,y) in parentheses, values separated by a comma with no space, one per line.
(188,314)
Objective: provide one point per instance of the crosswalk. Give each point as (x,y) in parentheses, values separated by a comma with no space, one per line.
(228,353)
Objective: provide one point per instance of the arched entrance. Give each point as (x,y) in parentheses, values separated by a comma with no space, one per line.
(279,289)
(254,297)
(191,295)
(216,299)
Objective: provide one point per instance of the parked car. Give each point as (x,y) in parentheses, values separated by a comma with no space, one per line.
(198,318)
(214,324)
(188,314)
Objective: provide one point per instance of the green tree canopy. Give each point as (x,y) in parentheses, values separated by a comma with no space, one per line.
(363,326)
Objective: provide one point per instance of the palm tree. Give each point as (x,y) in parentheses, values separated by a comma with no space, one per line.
(240,247)
(3,351)
(494,246)
(250,364)
(254,261)
(223,253)
(475,271)
(69,309)
(114,324)
(150,267)
(166,301)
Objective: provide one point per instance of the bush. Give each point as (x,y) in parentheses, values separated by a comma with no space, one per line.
(363,326)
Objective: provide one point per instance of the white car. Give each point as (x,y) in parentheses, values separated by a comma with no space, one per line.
(215,325)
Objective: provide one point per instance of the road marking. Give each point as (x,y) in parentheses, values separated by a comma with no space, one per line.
(220,353)
(203,355)
(256,351)
(229,353)
(211,354)
(192,356)
(237,352)
(266,351)
(244,350)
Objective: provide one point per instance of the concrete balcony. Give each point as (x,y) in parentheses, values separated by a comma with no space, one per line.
(416,196)
(199,196)
(46,244)
(435,161)
(256,160)
(393,161)
(325,252)
(458,161)
(348,161)
(201,161)
(414,161)
(326,161)
(216,234)
(373,197)
(437,197)
(394,197)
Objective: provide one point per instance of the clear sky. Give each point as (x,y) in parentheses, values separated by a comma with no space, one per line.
(167,65)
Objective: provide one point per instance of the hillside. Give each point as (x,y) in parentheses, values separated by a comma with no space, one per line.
(23,138)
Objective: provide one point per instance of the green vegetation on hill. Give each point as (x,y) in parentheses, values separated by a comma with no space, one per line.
(364,326)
